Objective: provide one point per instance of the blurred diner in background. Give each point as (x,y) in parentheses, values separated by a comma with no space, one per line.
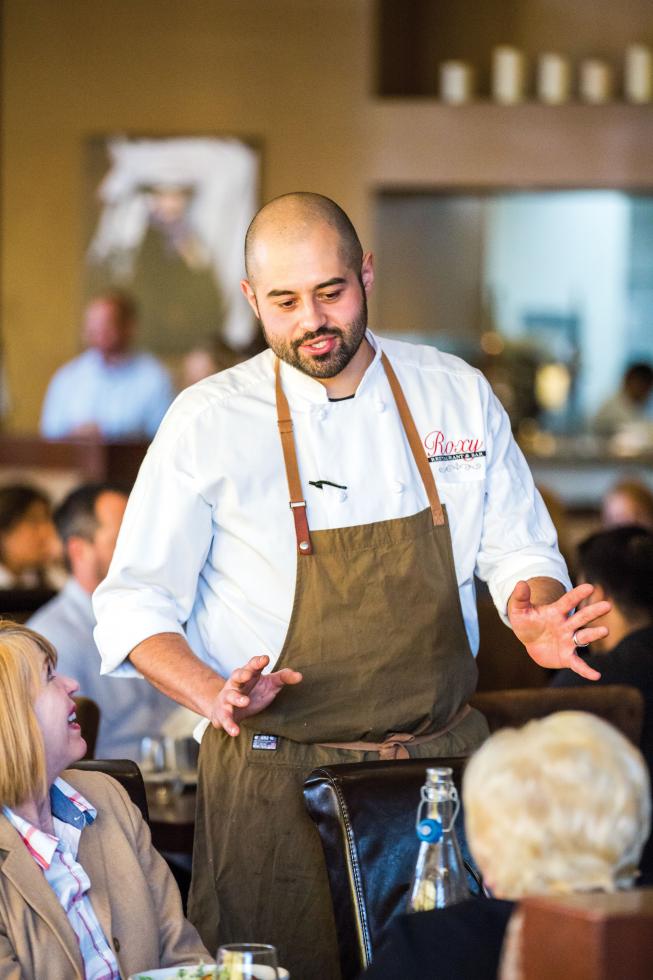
(508,227)
(619,562)
(109,391)
(29,547)
(88,521)
(628,502)
(631,405)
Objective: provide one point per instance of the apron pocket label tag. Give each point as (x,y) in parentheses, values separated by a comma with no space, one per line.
(268,742)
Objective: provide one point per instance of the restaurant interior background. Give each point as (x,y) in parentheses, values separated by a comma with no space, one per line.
(520,236)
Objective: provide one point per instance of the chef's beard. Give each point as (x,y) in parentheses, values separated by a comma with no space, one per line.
(327,365)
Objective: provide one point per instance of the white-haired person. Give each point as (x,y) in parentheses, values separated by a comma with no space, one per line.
(83,894)
(561,805)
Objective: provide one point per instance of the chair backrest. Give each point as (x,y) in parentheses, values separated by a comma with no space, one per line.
(588,936)
(365,815)
(19,604)
(88,718)
(620,704)
(501,659)
(128,775)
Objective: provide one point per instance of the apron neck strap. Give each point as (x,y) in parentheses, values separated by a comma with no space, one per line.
(414,442)
(297,502)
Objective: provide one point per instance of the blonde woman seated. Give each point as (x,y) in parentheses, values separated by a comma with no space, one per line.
(559,806)
(83,894)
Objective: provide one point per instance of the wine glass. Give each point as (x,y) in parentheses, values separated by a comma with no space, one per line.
(246,961)
(152,755)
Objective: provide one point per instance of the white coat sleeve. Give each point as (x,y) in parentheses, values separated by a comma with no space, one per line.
(518,539)
(164,540)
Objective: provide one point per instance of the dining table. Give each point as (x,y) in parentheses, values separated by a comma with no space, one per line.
(172,818)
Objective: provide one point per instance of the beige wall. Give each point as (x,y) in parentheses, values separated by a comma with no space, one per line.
(293,74)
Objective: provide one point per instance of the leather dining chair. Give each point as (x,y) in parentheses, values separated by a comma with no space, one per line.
(130,778)
(618,704)
(126,773)
(500,660)
(365,815)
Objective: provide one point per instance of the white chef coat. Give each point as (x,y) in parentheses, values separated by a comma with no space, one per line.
(208,538)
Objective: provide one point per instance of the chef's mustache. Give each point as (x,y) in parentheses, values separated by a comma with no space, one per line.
(309,338)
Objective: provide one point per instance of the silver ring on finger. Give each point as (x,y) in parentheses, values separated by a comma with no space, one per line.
(574,638)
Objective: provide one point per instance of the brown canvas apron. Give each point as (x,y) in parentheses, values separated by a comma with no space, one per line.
(378,633)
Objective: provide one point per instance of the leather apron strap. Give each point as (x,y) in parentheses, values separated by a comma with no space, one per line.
(297,501)
(414,442)
(395,745)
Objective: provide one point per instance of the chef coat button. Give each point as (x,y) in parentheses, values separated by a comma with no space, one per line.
(380,405)
(342,496)
(398,486)
(322,414)
(304,545)
(116,944)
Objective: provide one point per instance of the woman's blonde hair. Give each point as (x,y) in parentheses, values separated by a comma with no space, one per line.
(22,754)
(560,805)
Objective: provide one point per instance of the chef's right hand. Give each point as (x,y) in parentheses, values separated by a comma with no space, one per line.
(249,691)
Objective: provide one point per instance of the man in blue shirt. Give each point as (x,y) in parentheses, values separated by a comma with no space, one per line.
(110,390)
(88,521)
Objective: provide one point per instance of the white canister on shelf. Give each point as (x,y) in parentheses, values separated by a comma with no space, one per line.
(596,82)
(508,75)
(456,82)
(638,73)
(553,79)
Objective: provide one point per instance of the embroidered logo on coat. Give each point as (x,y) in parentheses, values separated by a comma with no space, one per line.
(458,453)
(441,449)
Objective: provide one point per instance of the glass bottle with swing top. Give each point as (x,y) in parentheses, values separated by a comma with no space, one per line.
(440,878)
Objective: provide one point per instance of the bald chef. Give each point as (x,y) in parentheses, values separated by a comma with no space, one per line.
(340,628)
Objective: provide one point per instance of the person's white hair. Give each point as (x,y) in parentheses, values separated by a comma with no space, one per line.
(558,806)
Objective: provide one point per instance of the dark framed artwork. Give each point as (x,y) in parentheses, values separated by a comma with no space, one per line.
(165,222)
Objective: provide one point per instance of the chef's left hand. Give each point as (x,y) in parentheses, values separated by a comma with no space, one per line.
(247,691)
(547,630)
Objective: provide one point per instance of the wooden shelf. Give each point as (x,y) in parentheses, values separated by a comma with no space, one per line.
(419,144)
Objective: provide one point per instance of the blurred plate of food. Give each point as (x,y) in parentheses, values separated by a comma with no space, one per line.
(188,971)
